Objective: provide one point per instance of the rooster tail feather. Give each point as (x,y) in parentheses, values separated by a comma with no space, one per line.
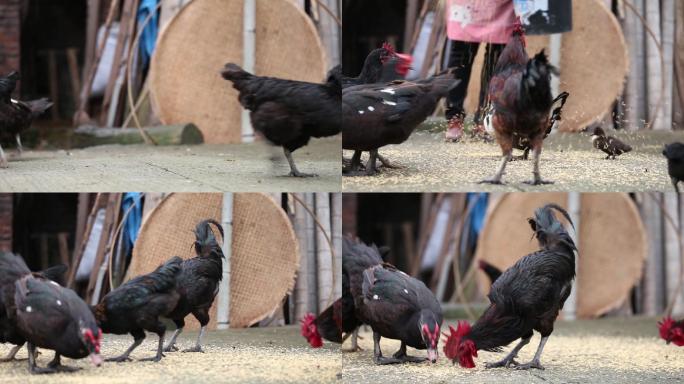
(55,273)
(236,74)
(548,229)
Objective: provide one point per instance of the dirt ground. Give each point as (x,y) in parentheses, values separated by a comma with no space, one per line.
(429,165)
(590,351)
(254,355)
(236,168)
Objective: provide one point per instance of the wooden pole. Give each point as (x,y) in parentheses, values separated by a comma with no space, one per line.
(636,85)
(654,68)
(336,229)
(311,256)
(223,305)
(248,59)
(323,254)
(301,296)
(668,33)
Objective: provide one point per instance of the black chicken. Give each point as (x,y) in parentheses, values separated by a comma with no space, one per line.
(47,315)
(198,283)
(376,115)
(8,331)
(16,116)
(372,69)
(136,306)
(392,66)
(289,113)
(526,297)
(394,304)
(608,144)
(337,322)
(674,152)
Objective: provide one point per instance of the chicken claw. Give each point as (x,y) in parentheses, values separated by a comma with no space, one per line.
(299,174)
(538,182)
(196,348)
(505,363)
(532,364)
(119,359)
(491,181)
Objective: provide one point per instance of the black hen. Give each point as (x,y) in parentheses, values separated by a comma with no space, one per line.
(526,297)
(674,152)
(491,271)
(12,272)
(372,69)
(339,320)
(16,116)
(47,315)
(198,283)
(289,113)
(394,304)
(136,306)
(376,115)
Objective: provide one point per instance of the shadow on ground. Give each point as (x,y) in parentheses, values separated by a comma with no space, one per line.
(254,355)
(430,165)
(591,351)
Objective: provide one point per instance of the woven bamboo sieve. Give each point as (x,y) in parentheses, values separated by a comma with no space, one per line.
(594,65)
(265,255)
(185,82)
(612,244)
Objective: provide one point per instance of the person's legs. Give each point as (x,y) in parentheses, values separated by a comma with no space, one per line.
(492,53)
(461,58)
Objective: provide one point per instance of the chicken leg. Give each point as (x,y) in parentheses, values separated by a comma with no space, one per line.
(160,330)
(377,352)
(535,170)
(403,357)
(535,363)
(293,168)
(3,159)
(674,183)
(56,364)
(198,344)
(33,368)
(510,358)
(138,337)
(502,168)
(20,148)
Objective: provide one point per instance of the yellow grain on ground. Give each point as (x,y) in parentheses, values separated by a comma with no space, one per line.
(255,355)
(599,351)
(429,164)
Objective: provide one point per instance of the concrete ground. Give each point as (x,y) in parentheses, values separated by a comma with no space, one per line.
(116,168)
(254,355)
(430,165)
(588,351)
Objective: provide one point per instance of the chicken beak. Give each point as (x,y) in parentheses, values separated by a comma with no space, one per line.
(96,359)
(432,355)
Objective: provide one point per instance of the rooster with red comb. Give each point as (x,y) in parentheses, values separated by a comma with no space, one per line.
(527,297)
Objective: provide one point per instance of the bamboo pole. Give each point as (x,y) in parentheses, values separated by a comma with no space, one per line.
(668,32)
(635,90)
(672,249)
(323,252)
(248,59)
(653,278)
(223,305)
(654,70)
(301,296)
(336,226)
(311,256)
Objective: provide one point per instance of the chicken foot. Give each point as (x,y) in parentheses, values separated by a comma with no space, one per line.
(675,183)
(160,347)
(33,368)
(354,342)
(20,148)
(171,346)
(403,357)
(535,170)
(137,340)
(502,167)
(377,352)
(510,358)
(198,345)
(56,364)
(535,363)
(293,168)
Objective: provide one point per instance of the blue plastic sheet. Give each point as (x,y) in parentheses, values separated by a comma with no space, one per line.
(131,226)
(148,38)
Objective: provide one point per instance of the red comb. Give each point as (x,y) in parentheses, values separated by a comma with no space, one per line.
(310,331)
(664,327)
(390,49)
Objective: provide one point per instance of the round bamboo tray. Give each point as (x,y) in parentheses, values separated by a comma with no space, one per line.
(185,83)
(612,244)
(594,65)
(265,255)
